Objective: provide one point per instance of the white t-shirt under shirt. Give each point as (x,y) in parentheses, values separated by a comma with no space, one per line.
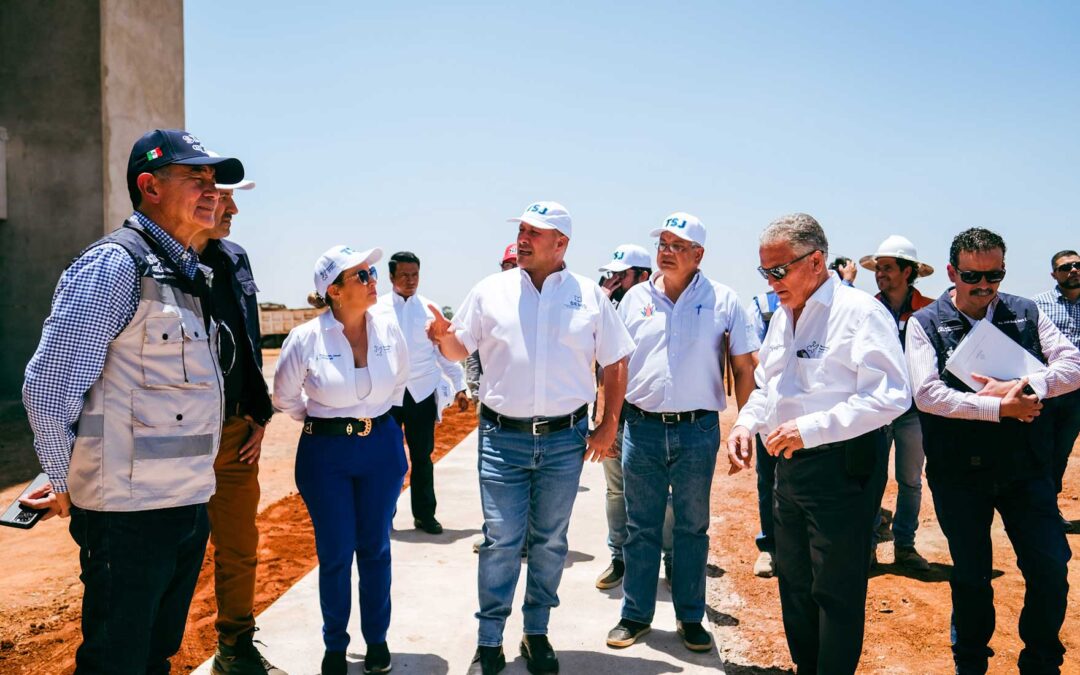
(316,374)
(539,347)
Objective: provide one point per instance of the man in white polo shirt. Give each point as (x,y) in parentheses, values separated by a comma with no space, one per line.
(540,330)
(419,410)
(684,326)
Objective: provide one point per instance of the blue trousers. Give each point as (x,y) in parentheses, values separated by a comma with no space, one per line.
(350,485)
(527,486)
(1028,510)
(657,459)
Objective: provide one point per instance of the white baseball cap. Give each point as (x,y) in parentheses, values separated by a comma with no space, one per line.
(336,260)
(627,256)
(684,226)
(242,185)
(896,246)
(546,216)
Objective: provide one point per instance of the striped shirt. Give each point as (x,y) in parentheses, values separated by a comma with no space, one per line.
(94,301)
(1064,314)
(935,397)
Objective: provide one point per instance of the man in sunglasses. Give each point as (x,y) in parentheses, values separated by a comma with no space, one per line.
(685,326)
(629,266)
(831,375)
(1062,306)
(990,451)
(419,410)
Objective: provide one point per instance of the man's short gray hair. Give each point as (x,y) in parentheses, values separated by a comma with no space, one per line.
(800,230)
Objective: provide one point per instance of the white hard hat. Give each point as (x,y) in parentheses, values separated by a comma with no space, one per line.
(899,247)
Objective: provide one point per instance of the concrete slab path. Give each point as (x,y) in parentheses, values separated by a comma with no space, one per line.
(433,630)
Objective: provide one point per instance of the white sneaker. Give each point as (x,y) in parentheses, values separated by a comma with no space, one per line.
(765,567)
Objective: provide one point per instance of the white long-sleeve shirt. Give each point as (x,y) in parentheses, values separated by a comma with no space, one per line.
(427,365)
(935,397)
(838,374)
(316,374)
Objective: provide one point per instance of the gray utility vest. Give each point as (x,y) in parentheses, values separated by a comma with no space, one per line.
(150,425)
(985,455)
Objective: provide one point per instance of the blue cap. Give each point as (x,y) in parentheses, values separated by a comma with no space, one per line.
(162,147)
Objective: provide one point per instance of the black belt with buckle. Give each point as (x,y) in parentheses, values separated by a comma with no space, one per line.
(537,426)
(342,426)
(672,417)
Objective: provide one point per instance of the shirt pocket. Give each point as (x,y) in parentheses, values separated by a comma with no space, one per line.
(175,439)
(810,374)
(577,330)
(163,351)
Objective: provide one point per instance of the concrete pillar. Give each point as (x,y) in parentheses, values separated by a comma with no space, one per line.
(80,80)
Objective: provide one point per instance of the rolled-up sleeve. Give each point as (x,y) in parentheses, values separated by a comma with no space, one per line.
(882,392)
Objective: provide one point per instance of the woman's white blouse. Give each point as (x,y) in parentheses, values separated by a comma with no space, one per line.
(316,375)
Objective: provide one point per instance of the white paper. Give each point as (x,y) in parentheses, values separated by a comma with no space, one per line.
(988,351)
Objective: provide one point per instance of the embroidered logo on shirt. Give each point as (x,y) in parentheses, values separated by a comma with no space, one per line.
(381,350)
(327,357)
(1012,321)
(574,303)
(648,310)
(814,350)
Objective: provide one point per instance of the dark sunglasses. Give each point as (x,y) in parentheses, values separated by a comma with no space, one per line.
(780,271)
(974,277)
(366,276)
(1067,267)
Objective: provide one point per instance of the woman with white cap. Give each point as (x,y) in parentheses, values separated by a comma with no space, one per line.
(340,374)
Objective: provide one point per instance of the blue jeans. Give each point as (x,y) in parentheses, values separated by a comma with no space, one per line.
(658,458)
(615,503)
(350,485)
(527,486)
(138,571)
(765,464)
(1028,510)
(906,432)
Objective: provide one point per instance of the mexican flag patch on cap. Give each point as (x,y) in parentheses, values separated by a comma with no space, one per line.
(153,154)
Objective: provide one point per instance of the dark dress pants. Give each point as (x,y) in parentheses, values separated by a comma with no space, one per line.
(139,571)
(822,519)
(1065,411)
(418,420)
(1028,510)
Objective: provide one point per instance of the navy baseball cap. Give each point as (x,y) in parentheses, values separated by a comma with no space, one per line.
(162,147)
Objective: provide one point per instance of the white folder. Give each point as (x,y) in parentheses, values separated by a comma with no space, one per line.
(989,352)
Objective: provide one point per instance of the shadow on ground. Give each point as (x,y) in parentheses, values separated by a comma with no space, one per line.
(417,536)
(428,664)
(736,669)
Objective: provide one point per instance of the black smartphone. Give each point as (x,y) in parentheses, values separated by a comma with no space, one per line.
(17,515)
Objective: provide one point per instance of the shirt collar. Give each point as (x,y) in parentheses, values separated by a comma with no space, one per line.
(826,292)
(399,299)
(186,260)
(690,287)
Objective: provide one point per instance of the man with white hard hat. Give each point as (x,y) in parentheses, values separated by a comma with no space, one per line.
(896,267)
(630,265)
(539,331)
(685,326)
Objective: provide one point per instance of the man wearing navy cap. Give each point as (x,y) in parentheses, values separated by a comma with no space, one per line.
(125,397)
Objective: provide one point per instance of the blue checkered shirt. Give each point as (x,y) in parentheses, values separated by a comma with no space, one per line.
(94,301)
(1064,314)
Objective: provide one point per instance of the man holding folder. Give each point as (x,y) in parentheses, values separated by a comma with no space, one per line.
(989,450)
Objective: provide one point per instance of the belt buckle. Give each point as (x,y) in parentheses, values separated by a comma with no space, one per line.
(307,428)
(368,424)
(669,418)
(537,424)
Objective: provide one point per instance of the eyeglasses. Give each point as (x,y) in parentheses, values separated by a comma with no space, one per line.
(676,247)
(1067,267)
(780,271)
(366,276)
(975,276)
(609,274)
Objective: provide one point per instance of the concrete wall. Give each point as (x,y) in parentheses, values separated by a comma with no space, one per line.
(79,81)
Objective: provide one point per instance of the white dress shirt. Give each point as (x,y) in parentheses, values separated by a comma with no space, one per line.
(427,365)
(933,396)
(677,364)
(839,374)
(316,374)
(539,347)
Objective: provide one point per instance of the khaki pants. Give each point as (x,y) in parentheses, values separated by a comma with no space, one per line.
(233,532)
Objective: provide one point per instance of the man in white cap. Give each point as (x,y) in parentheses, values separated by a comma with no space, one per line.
(539,331)
(896,266)
(629,266)
(684,326)
(235,503)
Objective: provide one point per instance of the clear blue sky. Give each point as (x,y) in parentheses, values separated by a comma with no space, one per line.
(423,126)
